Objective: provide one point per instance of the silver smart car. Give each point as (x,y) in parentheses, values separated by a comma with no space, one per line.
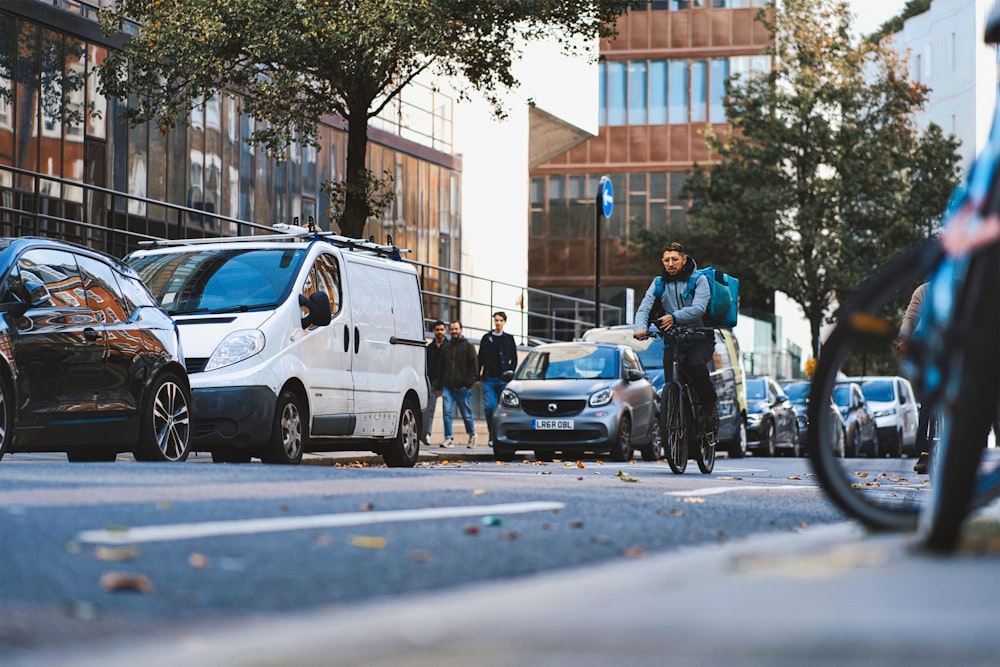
(574,398)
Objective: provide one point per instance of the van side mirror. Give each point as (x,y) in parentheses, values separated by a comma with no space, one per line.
(318,306)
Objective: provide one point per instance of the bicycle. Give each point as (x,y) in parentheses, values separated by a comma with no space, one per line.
(950,352)
(682,414)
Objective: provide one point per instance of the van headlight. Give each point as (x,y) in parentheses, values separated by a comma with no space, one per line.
(236,347)
(602,397)
(509,398)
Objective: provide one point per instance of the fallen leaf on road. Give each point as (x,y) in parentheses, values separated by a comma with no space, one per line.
(599,462)
(322,539)
(675,512)
(579,464)
(510,535)
(478,492)
(126,581)
(421,556)
(72,547)
(857,485)
(794,477)
(861,474)
(634,551)
(810,474)
(197,560)
(600,539)
(366,507)
(692,499)
(724,477)
(576,524)
(445,462)
(163,506)
(116,553)
(625,477)
(471,530)
(367,542)
(872,484)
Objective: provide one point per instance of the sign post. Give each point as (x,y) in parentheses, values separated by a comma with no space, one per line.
(604,204)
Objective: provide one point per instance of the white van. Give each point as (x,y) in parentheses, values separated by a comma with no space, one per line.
(295,342)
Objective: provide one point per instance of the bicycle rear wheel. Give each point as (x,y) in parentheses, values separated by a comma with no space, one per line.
(674,437)
(882,493)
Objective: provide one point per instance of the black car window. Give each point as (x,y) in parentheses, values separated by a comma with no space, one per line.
(53,278)
(103,292)
(134,292)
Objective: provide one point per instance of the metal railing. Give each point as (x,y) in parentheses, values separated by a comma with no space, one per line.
(33,204)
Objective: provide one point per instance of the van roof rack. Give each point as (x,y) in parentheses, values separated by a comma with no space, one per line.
(284,232)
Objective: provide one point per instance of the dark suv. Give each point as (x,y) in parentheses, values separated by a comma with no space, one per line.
(89,364)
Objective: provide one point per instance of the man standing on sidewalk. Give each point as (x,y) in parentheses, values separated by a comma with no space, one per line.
(457,371)
(497,355)
(433,373)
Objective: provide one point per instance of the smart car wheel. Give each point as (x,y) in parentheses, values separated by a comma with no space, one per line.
(402,451)
(654,450)
(6,417)
(621,446)
(165,430)
(288,434)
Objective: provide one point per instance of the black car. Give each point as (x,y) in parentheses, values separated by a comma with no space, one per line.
(89,364)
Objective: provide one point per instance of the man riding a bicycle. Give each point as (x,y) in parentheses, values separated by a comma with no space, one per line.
(677,305)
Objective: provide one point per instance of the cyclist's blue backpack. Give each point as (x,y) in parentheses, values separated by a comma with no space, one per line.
(723,300)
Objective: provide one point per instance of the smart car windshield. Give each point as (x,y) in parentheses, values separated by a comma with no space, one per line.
(879,391)
(214,280)
(755,390)
(569,362)
(797,392)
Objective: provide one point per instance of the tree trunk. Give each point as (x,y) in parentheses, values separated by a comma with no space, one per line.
(354,216)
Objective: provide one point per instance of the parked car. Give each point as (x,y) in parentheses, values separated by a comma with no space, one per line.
(798,393)
(575,398)
(859,420)
(89,365)
(726,371)
(771,420)
(896,413)
(296,342)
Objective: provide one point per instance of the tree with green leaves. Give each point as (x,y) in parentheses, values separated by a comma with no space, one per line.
(293,61)
(824,174)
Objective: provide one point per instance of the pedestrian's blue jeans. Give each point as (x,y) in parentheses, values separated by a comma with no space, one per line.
(462,396)
(492,387)
(432,399)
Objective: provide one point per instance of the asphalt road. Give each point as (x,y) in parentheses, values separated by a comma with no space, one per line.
(96,554)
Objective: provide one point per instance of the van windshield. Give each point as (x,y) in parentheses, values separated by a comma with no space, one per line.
(878,391)
(215,280)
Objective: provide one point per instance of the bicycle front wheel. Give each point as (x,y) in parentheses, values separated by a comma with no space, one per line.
(882,493)
(675,440)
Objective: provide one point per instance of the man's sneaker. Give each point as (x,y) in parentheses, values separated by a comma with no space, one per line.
(712,418)
(448,442)
(920,467)
(472,441)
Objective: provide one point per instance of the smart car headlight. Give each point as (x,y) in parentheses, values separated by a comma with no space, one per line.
(236,347)
(602,397)
(509,398)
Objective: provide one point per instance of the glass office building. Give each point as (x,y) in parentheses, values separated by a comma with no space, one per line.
(662,82)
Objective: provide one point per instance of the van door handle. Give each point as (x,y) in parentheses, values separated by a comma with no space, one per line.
(357,339)
(91,334)
(347,338)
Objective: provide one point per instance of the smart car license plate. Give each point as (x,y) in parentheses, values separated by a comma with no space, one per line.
(552,424)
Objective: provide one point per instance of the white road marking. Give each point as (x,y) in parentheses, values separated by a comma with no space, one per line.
(715,490)
(186,531)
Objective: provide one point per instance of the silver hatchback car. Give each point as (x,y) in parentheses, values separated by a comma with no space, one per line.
(574,398)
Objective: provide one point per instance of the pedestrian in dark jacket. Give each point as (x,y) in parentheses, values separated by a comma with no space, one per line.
(433,374)
(497,355)
(458,370)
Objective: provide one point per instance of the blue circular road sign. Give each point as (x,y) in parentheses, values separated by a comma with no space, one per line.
(607,196)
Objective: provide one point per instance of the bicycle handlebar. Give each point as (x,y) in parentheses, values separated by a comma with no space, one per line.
(685,334)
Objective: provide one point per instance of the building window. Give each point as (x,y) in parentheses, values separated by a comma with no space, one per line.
(677,100)
(718,74)
(617,85)
(637,93)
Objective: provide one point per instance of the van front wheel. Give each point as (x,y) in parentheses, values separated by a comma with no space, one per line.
(288,433)
(402,450)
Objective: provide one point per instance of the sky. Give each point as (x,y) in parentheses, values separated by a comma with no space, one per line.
(870,14)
